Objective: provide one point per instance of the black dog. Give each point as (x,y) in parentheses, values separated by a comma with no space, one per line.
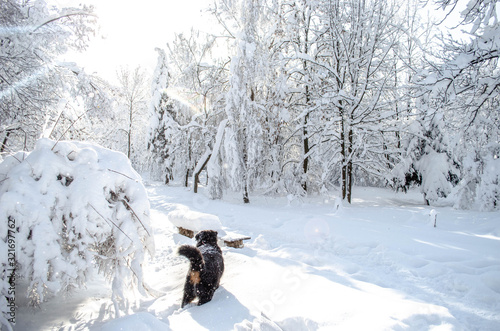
(207,266)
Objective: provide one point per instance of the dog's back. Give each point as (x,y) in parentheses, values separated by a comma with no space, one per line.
(207,267)
(214,265)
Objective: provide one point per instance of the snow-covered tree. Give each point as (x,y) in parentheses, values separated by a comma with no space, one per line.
(243,141)
(195,89)
(488,190)
(33,82)
(162,125)
(215,164)
(65,209)
(463,84)
(468,77)
(427,159)
(356,106)
(133,100)
(199,84)
(302,24)
(321,94)
(301,72)
(438,172)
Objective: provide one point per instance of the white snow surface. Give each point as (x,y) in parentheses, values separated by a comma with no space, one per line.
(64,207)
(194,220)
(378,264)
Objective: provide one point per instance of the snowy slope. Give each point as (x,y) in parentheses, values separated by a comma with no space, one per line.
(376,265)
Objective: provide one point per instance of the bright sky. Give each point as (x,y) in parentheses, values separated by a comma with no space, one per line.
(130,31)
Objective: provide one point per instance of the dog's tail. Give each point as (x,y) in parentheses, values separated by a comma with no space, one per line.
(194,256)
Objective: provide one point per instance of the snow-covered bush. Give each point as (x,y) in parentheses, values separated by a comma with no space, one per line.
(488,194)
(480,184)
(70,207)
(437,173)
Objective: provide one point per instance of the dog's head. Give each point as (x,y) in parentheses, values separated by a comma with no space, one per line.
(206,237)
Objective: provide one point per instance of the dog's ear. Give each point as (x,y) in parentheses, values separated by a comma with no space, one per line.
(197,237)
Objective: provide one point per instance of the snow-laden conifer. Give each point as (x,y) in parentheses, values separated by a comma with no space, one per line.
(162,127)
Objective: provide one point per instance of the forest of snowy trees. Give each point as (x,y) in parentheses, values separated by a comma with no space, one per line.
(323,95)
(284,98)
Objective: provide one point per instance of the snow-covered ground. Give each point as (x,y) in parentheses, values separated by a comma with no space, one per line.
(311,264)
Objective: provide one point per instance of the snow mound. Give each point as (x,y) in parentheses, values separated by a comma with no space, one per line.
(195,221)
(140,321)
(66,208)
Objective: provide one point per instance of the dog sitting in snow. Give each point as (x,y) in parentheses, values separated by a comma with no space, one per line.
(207,266)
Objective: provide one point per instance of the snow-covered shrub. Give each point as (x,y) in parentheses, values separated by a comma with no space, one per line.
(76,207)
(488,193)
(437,175)
(479,186)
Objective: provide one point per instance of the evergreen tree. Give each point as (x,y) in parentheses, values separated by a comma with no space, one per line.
(463,84)
(244,134)
(162,121)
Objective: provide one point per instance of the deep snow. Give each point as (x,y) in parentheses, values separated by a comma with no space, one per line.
(311,264)
(64,209)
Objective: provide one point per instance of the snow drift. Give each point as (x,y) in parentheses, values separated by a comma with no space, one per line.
(194,220)
(67,208)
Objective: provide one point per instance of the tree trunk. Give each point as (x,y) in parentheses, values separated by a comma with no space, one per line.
(186,181)
(343,160)
(246,199)
(346,153)
(129,145)
(198,170)
(426,201)
(305,164)
(3,146)
(349,168)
